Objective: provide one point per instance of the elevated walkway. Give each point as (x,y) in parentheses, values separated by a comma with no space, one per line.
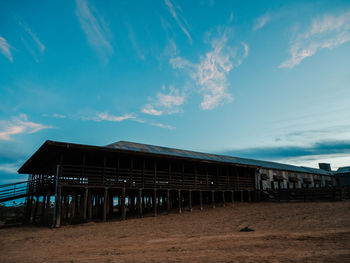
(13,191)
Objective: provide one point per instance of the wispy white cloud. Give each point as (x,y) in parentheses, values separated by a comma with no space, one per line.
(179,18)
(133,41)
(95,29)
(327,31)
(55,115)
(261,21)
(166,102)
(149,109)
(210,74)
(31,41)
(19,125)
(105,116)
(5,48)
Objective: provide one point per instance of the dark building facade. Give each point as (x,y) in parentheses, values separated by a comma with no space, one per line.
(130,179)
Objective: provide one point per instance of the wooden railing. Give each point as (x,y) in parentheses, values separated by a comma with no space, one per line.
(143,178)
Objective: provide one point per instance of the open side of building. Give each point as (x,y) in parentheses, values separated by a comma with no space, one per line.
(127,179)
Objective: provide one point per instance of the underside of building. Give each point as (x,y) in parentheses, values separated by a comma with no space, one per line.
(127,179)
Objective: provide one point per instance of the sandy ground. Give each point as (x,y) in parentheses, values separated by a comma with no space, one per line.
(284,232)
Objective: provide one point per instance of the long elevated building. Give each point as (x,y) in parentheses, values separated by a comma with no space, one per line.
(130,179)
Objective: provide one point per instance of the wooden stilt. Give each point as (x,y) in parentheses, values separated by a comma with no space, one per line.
(168,200)
(201,200)
(123,204)
(48,202)
(180,201)
(36,208)
(105,197)
(43,207)
(86,194)
(249,196)
(73,206)
(242,196)
(59,207)
(90,204)
(190,200)
(223,198)
(155,202)
(213,199)
(232,196)
(139,203)
(110,205)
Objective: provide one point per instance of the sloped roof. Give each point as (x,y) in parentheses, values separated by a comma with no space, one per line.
(139,147)
(345,169)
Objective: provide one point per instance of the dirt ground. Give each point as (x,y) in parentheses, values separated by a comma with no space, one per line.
(284,232)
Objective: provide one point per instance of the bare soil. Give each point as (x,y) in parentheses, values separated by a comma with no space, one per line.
(284,232)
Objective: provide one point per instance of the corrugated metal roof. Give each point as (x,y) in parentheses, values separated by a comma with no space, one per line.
(139,147)
(344,169)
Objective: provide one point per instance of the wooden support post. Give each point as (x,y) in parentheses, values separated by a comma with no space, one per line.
(73,206)
(36,208)
(154,201)
(105,197)
(213,199)
(201,200)
(123,204)
(223,198)
(180,201)
(139,203)
(90,205)
(190,200)
(249,196)
(242,196)
(86,194)
(59,208)
(232,196)
(66,205)
(168,201)
(48,202)
(43,207)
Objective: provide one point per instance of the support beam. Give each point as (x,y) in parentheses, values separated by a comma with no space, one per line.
(154,201)
(43,206)
(85,203)
(180,201)
(190,200)
(223,198)
(59,207)
(249,196)
(201,200)
(168,201)
(73,206)
(139,203)
(242,196)
(105,197)
(123,204)
(232,196)
(213,199)
(90,205)
(36,208)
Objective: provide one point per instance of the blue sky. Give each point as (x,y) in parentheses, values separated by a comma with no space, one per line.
(258,79)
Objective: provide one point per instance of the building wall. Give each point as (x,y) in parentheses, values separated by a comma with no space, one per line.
(267,178)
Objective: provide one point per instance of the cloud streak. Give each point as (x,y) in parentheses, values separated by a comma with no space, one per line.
(282,152)
(325,32)
(210,74)
(261,21)
(95,29)
(19,125)
(180,20)
(5,48)
(169,102)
